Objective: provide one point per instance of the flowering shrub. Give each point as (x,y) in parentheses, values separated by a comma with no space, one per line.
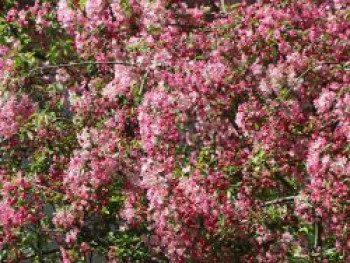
(164,130)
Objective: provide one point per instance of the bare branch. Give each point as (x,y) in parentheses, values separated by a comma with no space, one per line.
(84,63)
(314,67)
(223,7)
(44,253)
(317,250)
(287,199)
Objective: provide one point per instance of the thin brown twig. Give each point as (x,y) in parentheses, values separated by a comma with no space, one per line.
(281,200)
(84,63)
(45,253)
(315,66)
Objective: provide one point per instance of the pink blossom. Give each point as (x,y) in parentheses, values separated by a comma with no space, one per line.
(325,101)
(65,15)
(94,8)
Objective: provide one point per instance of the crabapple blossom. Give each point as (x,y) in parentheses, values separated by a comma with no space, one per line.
(174,131)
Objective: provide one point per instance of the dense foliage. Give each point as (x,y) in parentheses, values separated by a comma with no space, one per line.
(158,130)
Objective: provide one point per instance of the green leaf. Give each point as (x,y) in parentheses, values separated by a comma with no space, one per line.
(105,210)
(82,4)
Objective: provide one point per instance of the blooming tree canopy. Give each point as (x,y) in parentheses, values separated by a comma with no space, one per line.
(174,131)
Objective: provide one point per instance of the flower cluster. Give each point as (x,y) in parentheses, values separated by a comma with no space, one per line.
(175,131)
